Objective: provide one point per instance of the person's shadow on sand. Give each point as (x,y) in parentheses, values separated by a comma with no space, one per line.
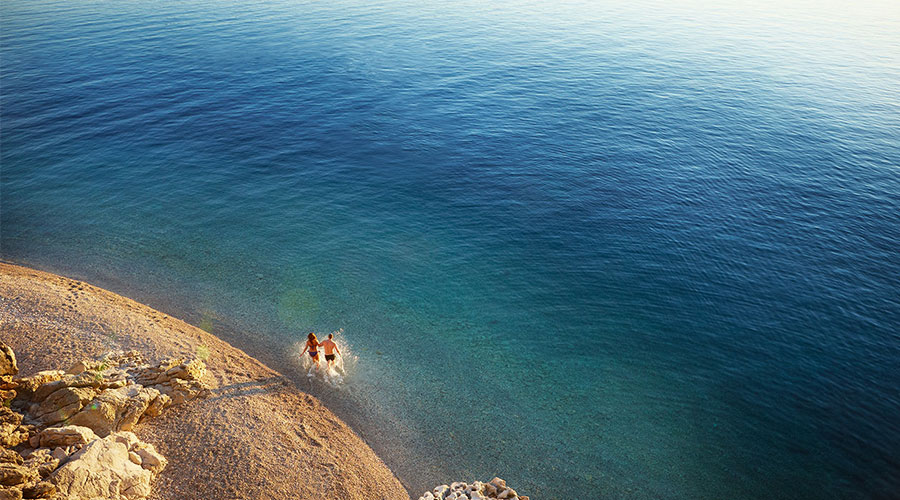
(249,388)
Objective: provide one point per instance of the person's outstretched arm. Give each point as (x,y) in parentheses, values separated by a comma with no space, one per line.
(305,347)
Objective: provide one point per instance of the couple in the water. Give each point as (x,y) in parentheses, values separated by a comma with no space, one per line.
(312,347)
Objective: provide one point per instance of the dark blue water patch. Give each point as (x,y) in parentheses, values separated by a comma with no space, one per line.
(645,251)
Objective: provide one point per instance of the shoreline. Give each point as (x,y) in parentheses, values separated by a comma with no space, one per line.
(366,418)
(259,436)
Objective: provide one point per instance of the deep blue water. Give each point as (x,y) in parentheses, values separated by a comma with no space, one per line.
(603,250)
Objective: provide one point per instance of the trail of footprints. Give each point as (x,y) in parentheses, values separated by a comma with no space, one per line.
(71,301)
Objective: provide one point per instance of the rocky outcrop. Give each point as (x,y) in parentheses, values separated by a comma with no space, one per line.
(115,409)
(495,488)
(66,435)
(107,468)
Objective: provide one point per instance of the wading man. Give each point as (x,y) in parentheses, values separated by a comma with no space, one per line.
(330,349)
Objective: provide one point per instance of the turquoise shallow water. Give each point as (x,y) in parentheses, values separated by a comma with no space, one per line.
(617,250)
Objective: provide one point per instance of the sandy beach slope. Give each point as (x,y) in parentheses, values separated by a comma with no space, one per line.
(257,436)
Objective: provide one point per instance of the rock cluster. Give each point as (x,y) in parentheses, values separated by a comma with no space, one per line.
(66,435)
(495,488)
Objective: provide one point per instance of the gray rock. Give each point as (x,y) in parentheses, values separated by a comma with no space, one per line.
(60,454)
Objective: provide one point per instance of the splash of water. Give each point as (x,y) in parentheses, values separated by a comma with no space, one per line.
(333,374)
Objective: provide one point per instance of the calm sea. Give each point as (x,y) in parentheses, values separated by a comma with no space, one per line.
(626,249)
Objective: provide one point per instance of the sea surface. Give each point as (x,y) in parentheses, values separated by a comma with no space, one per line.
(624,249)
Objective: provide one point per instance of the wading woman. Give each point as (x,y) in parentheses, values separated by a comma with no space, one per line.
(312,346)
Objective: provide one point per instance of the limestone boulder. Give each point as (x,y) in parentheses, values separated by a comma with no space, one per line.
(9,420)
(84,379)
(43,489)
(63,403)
(8,456)
(182,390)
(11,432)
(169,369)
(14,475)
(10,493)
(68,435)
(42,461)
(102,469)
(86,365)
(27,385)
(8,364)
(129,439)
(190,370)
(115,409)
(150,459)
(158,404)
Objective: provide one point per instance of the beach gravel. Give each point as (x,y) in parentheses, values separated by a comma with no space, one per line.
(253,435)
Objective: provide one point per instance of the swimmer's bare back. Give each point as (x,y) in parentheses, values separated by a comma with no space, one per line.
(330,347)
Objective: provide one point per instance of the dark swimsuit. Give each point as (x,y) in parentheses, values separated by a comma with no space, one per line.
(312,354)
(329,357)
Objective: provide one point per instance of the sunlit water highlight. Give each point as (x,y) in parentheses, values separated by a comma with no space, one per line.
(626,250)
